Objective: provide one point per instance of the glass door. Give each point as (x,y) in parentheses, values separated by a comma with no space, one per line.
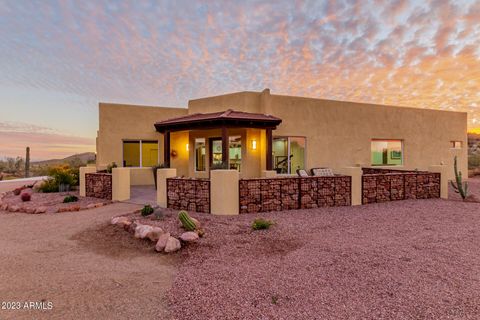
(288,154)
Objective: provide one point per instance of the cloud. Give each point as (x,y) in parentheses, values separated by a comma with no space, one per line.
(44,143)
(164,53)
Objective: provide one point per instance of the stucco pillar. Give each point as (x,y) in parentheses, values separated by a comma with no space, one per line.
(269,173)
(356,174)
(162,175)
(84,170)
(224,192)
(443,170)
(120,184)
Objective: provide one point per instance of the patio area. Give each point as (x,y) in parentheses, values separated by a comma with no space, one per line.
(143,195)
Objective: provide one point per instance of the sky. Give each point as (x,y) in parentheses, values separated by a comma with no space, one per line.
(59,59)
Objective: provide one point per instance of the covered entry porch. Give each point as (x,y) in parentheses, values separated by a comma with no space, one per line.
(220,140)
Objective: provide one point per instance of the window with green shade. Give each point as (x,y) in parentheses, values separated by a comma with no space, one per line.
(235,152)
(140,153)
(387,152)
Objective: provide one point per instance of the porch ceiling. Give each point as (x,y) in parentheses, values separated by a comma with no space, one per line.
(228,118)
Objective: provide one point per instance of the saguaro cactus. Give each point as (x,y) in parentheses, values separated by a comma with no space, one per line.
(27,163)
(459,186)
(187,222)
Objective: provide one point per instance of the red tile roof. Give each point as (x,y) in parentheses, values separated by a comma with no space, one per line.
(228,117)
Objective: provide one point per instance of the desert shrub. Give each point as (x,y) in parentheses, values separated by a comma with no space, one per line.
(473,161)
(70,198)
(111,166)
(59,176)
(25,196)
(261,224)
(147,210)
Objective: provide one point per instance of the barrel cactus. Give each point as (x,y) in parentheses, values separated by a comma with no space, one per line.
(187,222)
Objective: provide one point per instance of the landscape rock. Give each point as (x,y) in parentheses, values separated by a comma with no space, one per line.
(119,220)
(130,227)
(162,241)
(142,230)
(13,208)
(40,210)
(155,233)
(173,244)
(30,210)
(91,206)
(189,236)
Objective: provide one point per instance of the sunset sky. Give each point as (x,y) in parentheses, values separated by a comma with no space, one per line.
(60,58)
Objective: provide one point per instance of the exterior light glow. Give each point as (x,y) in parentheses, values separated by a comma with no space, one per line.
(254,144)
(186,146)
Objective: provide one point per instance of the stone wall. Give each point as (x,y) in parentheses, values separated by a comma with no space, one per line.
(400,186)
(277,194)
(188,194)
(98,185)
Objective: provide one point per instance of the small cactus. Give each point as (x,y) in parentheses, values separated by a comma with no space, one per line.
(187,222)
(459,186)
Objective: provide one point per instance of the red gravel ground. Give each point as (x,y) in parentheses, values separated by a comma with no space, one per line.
(52,201)
(398,260)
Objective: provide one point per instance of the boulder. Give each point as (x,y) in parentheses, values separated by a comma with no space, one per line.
(173,244)
(13,208)
(130,227)
(40,210)
(29,210)
(155,233)
(189,236)
(119,220)
(91,206)
(162,241)
(142,230)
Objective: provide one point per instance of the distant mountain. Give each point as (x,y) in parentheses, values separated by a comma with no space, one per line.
(80,157)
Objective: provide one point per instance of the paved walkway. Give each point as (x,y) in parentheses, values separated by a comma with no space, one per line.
(85,267)
(143,195)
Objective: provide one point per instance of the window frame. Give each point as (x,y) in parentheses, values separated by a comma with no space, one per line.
(140,141)
(402,146)
(195,154)
(289,168)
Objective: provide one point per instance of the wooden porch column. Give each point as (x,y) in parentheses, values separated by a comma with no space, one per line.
(269,148)
(166,149)
(224,145)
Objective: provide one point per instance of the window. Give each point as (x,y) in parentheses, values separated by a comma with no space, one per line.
(200,154)
(387,152)
(140,153)
(456,144)
(235,152)
(288,154)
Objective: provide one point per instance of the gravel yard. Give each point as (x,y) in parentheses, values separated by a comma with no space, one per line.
(398,260)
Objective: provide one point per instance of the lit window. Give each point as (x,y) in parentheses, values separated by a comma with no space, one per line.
(387,152)
(200,154)
(235,152)
(140,153)
(456,144)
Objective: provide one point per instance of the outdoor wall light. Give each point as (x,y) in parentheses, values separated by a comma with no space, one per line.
(254,144)
(186,146)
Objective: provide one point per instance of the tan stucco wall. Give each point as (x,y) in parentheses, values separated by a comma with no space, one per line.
(118,122)
(338,134)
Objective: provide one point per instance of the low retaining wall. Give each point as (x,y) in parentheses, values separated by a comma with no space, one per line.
(188,194)
(277,194)
(98,185)
(398,185)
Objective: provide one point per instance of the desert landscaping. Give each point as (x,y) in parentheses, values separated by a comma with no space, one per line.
(406,259)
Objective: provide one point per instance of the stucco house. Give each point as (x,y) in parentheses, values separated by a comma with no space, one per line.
(254,132)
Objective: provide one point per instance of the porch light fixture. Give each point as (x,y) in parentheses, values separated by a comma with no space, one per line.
(254,144)
(186,146)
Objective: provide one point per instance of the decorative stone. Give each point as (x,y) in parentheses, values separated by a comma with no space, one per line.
(189,236)
(40,210)
(142,230)
(155,233)
(162,241)
(13,208)
(130,227)
(118,220)
(29,210)
(173,244)
(91,206)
